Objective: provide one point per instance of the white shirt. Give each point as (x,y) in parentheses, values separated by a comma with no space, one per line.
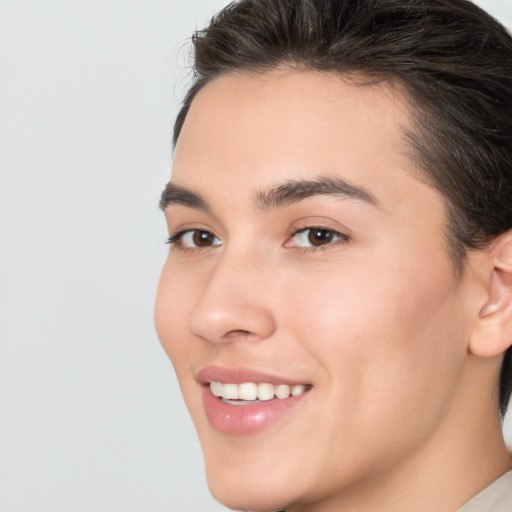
(497,497)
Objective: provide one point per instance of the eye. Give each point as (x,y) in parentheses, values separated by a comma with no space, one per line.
(315,237)
(194,239)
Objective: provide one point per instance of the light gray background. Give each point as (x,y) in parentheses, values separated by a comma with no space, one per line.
(91,418)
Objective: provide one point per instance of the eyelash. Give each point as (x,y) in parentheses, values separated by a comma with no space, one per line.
(176,239)
(340,238)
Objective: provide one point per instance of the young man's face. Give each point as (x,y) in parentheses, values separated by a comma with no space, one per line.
(312,256)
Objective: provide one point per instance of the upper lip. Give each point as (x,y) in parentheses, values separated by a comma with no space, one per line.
(239,375)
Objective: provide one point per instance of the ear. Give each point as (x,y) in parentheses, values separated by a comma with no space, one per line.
(493,334)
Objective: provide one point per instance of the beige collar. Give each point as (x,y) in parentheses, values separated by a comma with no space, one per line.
(497,497)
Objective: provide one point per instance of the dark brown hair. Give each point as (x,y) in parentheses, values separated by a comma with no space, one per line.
(455,62)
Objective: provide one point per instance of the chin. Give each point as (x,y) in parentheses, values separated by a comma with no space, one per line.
(258,486)
(248,497)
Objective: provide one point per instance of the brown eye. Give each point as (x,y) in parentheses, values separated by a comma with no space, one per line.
(194,239)
(317,237)
(202,238)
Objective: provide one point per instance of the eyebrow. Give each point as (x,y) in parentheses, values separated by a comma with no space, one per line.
(293,191)
(176,194)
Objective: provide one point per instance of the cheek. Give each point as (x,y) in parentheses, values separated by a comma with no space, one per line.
(174,302)
(171,312)
(386,358)
(388,340)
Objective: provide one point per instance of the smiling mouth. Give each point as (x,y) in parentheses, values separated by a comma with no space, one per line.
(249,393)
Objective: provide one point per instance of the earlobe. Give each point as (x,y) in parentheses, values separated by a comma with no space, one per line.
(493,334)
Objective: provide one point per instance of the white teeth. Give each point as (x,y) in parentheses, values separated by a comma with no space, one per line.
(250,391)
(298,390)
(230,391)
(247,391)
(282,391)
(265,391)
(216,388)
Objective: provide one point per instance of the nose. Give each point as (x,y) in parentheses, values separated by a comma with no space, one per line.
(234,303)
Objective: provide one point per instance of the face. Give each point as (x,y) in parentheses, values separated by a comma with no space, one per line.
(308,302)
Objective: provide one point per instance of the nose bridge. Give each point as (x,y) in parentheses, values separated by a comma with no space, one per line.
(233,303)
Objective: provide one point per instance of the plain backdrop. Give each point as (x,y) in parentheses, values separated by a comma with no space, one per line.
(91,418)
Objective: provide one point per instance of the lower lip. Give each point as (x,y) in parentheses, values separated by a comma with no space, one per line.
(246,419)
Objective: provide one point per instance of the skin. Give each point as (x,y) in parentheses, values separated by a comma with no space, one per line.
(377,321)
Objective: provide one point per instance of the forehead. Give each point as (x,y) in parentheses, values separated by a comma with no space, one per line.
(246,134)
(291,122)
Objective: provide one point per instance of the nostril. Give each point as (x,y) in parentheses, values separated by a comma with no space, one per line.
(239,333)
